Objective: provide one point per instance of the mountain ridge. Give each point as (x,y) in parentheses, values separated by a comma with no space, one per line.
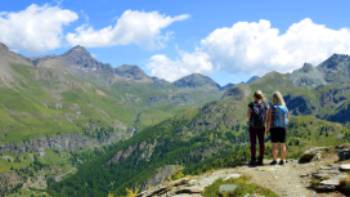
(196,80)
(308,74)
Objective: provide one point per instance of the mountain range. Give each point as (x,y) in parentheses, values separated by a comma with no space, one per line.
(69,90)
(61,116)
(214,135)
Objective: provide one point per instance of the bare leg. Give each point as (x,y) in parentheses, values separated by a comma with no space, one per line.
(284,151)
(274,151)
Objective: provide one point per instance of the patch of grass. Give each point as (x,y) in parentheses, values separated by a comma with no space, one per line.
(244,187)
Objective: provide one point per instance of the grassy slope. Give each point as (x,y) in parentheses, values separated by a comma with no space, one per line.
(49,101)
(244,188)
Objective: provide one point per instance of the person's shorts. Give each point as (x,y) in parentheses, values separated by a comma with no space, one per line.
(278,135)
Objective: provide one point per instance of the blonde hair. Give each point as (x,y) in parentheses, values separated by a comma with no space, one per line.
(277,98)
(259,95)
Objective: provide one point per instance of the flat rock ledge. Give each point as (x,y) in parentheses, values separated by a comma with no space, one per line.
(331,178)
(188,186)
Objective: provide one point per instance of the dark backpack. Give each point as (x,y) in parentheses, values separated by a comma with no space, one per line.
(258,115)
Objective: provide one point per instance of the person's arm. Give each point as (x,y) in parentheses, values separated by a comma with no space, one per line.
(249,112)
(268,120)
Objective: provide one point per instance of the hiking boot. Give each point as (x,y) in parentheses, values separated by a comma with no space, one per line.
(274,162)
(260,163)
(252,163)
(281,163)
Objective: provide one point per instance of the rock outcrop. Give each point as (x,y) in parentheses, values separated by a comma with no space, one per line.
(313,154)
(8,182)
(189,186)
(66,142)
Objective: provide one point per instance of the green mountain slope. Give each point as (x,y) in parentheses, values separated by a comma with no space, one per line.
(65,106)
(213,137)
(63,94)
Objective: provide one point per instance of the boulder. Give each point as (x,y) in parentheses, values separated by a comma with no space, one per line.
(326,172)
(227,190)
(329,185)
(343,152)
(189,190)
(344,167)
(313,154)
(345,186)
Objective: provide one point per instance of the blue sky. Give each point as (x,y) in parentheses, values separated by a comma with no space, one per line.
(191,44)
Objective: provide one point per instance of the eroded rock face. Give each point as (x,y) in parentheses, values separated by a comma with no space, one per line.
(67,142)
(298,105)
(144,152)
(341,116)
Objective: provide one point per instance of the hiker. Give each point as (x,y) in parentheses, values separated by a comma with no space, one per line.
(277,126)
(257,113)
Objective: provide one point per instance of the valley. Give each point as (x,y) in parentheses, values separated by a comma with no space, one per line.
(73,126)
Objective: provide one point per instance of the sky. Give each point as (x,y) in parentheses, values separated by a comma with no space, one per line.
(227,40)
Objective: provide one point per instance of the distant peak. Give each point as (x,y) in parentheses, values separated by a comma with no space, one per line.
(195,75)
(196,80)
(78,50)
(78,47)
(253,79)
(126,67)
(307,67)
(130,72)
(335,61)
(337,55)
(3,47)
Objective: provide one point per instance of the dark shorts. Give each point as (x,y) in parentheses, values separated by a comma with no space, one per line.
(278,135)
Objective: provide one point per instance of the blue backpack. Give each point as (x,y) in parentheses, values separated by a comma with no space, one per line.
(279,116)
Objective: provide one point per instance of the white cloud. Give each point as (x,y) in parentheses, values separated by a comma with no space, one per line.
(133,27)
(257,48)
(163,67)
(37,28)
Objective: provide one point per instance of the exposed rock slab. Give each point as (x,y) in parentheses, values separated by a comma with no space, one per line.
(189,186)
(313,154)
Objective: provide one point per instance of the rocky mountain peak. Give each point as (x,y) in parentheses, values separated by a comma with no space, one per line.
(130,72)
(3,47)
(196,80)
(80,56)
(307,67)
(336,60)
(336,68)
(253,79)
(78,51)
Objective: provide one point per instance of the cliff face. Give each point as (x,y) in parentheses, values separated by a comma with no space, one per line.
(68,142)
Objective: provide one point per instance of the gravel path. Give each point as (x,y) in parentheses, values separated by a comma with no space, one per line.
(287,180)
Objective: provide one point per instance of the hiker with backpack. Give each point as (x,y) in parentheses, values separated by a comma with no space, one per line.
(277,126)
(257,113)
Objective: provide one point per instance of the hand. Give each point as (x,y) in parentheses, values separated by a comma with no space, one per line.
(267,130)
